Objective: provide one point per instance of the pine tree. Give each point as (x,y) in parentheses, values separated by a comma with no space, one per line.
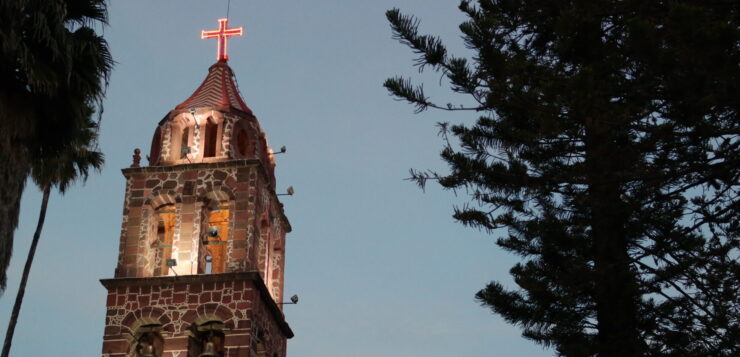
(606,155)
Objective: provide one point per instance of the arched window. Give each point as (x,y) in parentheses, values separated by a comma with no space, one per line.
(156,147)
(242,142)
(163,231)
(211,139)
(259,349)
(216,239)
(184,143)
(264,251)
(148,341)
(263,149)
(206,337)
(258,345)
(181,135)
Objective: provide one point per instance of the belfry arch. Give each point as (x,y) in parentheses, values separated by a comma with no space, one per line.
(159,230)
(216,236)
(181,136)
(212,138)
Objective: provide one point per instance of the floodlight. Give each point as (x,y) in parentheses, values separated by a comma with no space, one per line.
(289,192)
(283,149)
(293,301)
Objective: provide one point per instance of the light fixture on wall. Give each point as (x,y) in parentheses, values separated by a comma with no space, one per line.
(213,231)
(171,263)
(195,119)
(184,152)
(283,149)
(289,192)
(293,301)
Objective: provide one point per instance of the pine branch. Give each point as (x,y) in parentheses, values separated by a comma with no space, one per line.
(406,30)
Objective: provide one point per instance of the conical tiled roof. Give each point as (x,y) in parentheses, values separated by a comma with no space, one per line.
(217,90)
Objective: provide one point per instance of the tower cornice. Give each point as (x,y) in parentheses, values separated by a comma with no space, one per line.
(253,276)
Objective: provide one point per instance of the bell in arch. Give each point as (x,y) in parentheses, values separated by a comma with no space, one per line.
(210,351)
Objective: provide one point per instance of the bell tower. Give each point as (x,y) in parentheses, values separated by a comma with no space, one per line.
(202,246)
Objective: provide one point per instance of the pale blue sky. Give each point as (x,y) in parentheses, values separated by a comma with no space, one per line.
(380,266)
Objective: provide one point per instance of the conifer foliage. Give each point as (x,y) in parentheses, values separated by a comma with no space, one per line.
(606,154)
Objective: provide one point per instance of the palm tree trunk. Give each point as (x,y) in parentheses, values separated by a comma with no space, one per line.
(26,271)
(14,169)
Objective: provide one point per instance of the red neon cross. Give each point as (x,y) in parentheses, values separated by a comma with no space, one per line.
(223,33)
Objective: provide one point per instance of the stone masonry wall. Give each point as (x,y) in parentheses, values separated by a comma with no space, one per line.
(239,305)
(190,188)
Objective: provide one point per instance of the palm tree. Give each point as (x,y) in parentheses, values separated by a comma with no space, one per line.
(60,171)
(54,69)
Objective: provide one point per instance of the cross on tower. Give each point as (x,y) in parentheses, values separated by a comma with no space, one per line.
(223,33)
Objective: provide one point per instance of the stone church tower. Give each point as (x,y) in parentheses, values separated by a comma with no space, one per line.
(202,246)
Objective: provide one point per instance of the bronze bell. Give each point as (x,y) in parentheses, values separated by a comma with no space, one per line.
(210,351)
(148,351)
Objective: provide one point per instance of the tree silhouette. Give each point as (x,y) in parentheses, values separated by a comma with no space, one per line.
(67,166)
(54,69)
(606,155)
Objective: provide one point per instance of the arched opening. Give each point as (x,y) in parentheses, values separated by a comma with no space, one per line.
(184,148)
(216,238)
(162,234)
(181,137)
(148,341)
(258,345)
(206,337)
(242,142)
(264,251)
(156,148)
(263,149)
(211,139)
(259,349)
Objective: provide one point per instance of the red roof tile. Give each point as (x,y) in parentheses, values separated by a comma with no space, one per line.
(218,89)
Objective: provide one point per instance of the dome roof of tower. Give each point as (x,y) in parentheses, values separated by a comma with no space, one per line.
(217,90)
